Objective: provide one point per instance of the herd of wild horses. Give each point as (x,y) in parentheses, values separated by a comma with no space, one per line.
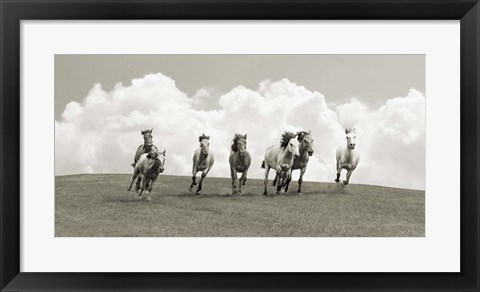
(292,153)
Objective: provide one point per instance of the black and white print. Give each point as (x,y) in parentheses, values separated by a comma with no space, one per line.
(240,145)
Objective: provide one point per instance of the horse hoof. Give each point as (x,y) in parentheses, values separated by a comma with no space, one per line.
(128,189)
(337,180)
(234,192)
(197,193)
(345,182)
(265,194)
(148,198)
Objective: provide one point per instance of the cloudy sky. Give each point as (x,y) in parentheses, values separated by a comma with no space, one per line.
(102,102)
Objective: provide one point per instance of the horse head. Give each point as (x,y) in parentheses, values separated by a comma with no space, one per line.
(204,144)
(147,136)
(289,143)
(161,158)
(147,147)
(351,138)
(293,147)
(240,144)
(307,140)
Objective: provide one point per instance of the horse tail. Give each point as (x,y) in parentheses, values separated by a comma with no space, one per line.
(263,164)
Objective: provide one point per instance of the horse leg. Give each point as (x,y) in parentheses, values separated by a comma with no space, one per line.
(300,179)
(234,181)
(244,176)
(149,188)
(139,180)
(289,178)
(193,180)
(275,180)
(143,187)
(135,174)
(339,169)
(279,183)
(349,173)
(243,179)
(199,189)
(265,181)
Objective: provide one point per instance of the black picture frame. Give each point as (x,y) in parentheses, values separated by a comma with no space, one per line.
(13,11)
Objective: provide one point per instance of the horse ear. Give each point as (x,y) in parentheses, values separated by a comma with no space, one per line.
(151,130)
(245,136)
(309,131)
(165,150)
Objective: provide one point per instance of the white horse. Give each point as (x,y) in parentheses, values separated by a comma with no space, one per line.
(347,157)
(281,159)
(147,168)
(203,160)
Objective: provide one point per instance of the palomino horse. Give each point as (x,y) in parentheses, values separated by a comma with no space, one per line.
(202,161)
(146,147)
(306,150)
(239,161)
(148,166)
(281,159)
(347,157)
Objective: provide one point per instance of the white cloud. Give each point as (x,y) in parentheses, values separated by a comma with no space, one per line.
(101,134)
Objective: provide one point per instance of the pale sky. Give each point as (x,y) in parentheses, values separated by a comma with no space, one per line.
(111,97)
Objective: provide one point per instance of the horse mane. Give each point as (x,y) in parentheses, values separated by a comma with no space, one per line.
(235,139)
(301,134)
(286,137)
(200,138)
(147,131)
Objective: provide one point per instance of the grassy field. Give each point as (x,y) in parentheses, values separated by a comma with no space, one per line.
(99,205)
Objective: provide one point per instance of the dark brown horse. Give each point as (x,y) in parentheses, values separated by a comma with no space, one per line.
(146,147)
(239,161)
(305,149)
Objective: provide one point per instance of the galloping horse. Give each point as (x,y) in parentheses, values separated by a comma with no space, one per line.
(148,166)
(347,157)
(202,161)
(306,150)
(281,159)
(146,147)
(239,161)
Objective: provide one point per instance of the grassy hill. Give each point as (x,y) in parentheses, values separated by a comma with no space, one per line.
(99,205)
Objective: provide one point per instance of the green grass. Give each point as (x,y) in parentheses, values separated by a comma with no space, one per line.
(99,205)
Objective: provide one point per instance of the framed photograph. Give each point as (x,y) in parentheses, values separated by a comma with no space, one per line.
(232,145)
